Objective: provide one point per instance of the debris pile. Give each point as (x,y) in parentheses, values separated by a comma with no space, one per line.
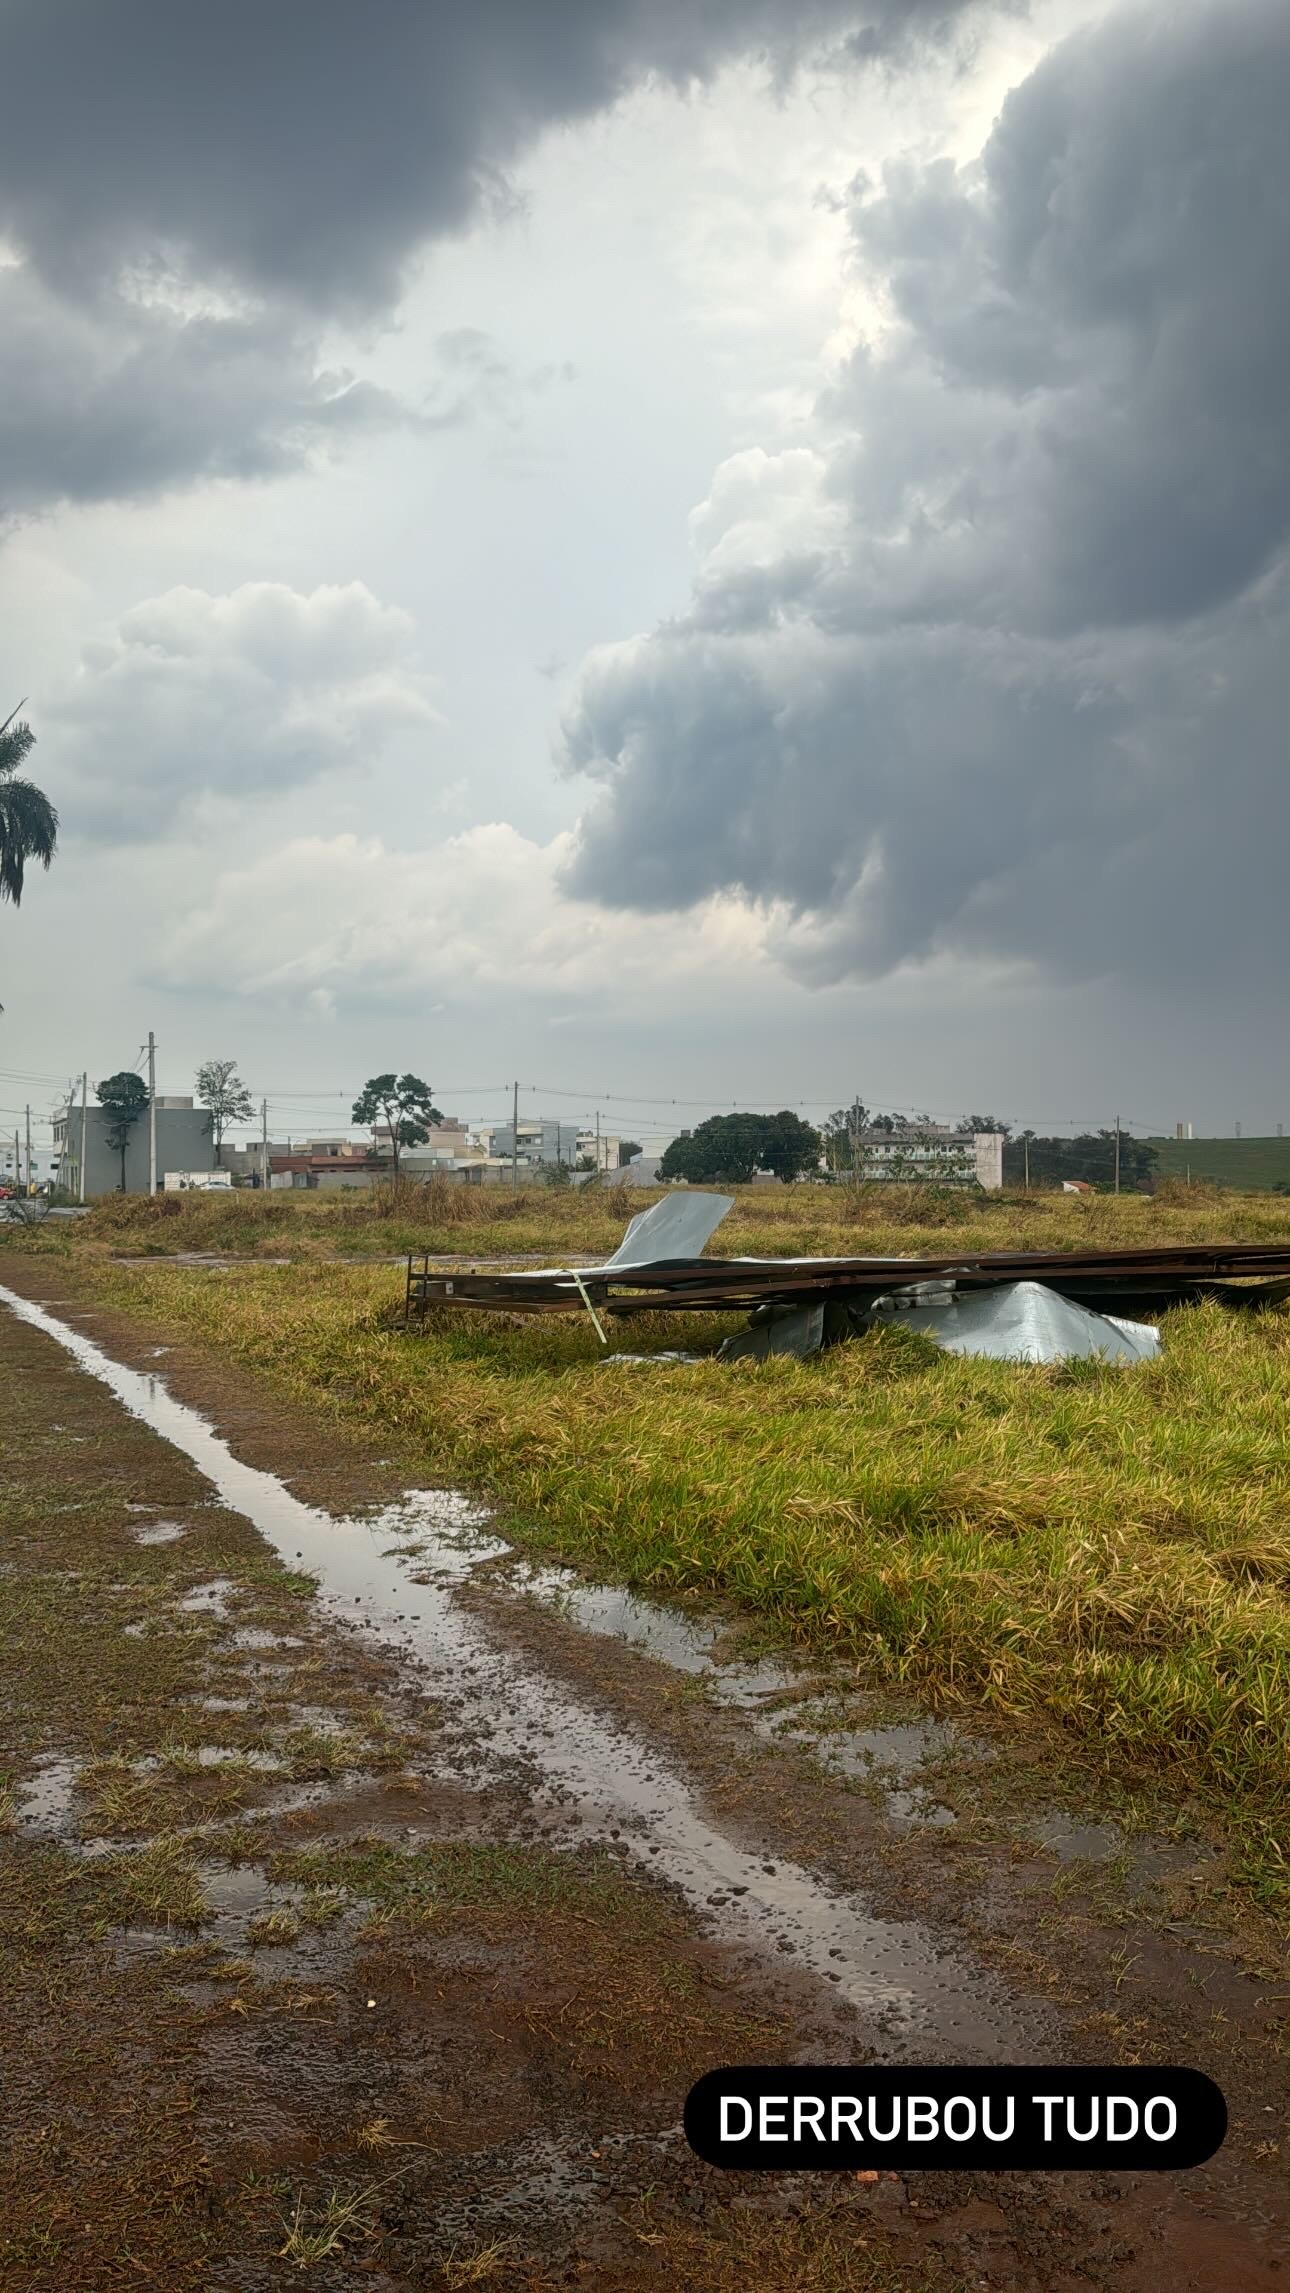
(1027,1305)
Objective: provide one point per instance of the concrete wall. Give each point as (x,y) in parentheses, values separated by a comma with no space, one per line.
(183,1143)
(989,1160)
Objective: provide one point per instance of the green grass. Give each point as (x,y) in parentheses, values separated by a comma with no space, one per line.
(418,1885)
(1252,1163)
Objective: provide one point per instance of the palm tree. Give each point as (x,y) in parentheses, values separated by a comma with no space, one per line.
(28,821)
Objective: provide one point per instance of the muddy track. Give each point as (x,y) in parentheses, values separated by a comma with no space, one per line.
(809,1919)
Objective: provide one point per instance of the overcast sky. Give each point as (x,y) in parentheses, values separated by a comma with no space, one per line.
(674,549)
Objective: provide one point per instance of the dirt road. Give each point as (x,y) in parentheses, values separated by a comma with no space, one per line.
(373,1899)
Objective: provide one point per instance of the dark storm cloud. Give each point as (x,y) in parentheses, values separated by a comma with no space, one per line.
(296,153)
(99,405)
(1027,688)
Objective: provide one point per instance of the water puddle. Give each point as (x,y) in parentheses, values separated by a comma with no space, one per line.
(904,1747)
(234,1891)
(231,1755)
(685,1643)
(914,1808)
(1074,1842)
(45,1800)
(503,1715)
(888,1756)
(158,1533)
(745,1687)
(319,1719)
(209,1599)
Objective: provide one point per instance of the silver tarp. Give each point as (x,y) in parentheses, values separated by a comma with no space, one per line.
(680,1226)
(1022,1321)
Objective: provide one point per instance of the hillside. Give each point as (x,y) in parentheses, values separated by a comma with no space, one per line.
(1254,1164)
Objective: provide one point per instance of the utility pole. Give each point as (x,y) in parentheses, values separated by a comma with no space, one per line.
(85,1118)
(264,1142)
(1117,1154)
(17,1164)
(29,1150)
(152,1112)
(515,1134)
(1026,1143)
(597,1138)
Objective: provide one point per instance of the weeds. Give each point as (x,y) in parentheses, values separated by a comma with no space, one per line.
(479,2267)
(439,1215)
(277,1926)
(313,2233)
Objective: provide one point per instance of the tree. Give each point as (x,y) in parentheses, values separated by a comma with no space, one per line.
(220,1087)
(1091,1157)
(729,1148)
(987,1123)
(626,1149)
(124,1096)
(726,1147)
(28,821)
(843,1132)
(402,1105)
(792,1147)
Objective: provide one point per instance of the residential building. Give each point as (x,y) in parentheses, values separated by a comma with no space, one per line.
(542,1139)
(309,1167)
(448,1139)
(247,1160)
(599,1148)
(935,1154)
(184,1142)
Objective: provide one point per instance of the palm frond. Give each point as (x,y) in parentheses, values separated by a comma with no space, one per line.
(16,745)
(28,831)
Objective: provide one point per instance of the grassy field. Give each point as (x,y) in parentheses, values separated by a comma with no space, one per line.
(1251,1163)
(1104,1551)
(766,1221)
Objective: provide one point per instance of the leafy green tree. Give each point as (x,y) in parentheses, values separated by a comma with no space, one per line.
(725,1147)
(220,1087)
(729,1148)
(626,1149)
(792,1147)
(986,1123)
(402,1105)
(124,1096)
(28,821)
